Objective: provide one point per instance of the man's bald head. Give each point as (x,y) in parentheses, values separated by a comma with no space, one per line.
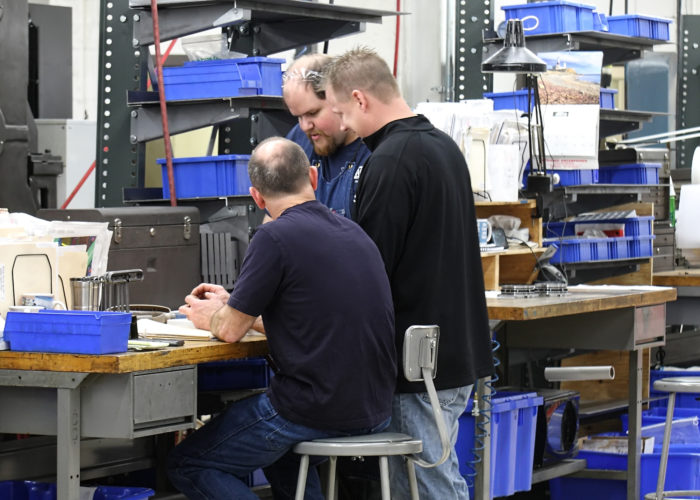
(278,166)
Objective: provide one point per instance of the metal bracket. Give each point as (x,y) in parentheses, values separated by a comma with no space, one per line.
(187,231)
(117,230)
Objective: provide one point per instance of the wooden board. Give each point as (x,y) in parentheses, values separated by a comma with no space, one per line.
(643,276)
(679,277)
(490,267)
(193,352)
(580,299)
(607,390)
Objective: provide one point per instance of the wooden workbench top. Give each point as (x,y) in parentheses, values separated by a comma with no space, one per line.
(193,352)
(679,277)
(580,299)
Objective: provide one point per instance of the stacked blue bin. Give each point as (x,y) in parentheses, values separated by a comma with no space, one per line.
(247,76)
(33,490)
(513,428)
(207,176)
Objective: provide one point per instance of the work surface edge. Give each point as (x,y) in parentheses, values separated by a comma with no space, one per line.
(579,300)
(193,352)
(678,277)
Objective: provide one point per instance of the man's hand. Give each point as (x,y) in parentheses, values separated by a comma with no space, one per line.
(200,308)
(207,290)
(207,307)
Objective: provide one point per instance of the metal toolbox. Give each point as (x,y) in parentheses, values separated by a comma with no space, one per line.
(161,241)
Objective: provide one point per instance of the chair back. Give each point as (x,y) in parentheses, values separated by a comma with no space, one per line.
(420,351)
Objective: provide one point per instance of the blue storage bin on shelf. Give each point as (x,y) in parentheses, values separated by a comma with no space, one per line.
(570,249)
(552,17)
(76,332)
(513,426)
(640,26)
(607,98)
(33,490)
(201,176)
(629,173)
(633,226)
(683,473)
(567,177)
(234,374)
(641,246)
(247,76)
(683,399)
(509,100)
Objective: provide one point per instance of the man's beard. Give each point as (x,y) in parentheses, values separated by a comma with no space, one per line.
(326,146)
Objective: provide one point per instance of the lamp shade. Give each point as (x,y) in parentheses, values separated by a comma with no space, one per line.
(514,57)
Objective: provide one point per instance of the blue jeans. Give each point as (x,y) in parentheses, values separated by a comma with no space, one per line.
(413,415)
(214,462)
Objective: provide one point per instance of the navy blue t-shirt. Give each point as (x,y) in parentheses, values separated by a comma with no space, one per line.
(319,283)
(336,173)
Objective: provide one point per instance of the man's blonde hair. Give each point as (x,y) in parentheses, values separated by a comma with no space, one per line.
(361,69)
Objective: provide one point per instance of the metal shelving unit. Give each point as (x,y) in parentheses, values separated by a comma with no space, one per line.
(256,27)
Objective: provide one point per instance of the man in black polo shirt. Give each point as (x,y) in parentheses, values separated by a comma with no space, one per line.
(414,199)
(319,283)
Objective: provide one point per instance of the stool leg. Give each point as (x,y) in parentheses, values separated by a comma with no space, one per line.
(331,478)
(412,482)
(661,481)
(384,475)
(301,480)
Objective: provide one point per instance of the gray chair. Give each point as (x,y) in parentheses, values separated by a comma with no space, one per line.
(419,361)
(672,385)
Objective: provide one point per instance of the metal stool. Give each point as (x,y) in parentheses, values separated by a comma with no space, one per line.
(419,360)
(672,385)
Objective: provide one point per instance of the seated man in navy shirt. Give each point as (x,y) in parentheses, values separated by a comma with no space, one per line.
(338,154)
(320,285)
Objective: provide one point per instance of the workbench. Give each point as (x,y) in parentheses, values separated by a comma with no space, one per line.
(589,318)
(685,310)
(125,395)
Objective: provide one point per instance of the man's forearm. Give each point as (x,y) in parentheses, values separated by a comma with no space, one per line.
(229,324)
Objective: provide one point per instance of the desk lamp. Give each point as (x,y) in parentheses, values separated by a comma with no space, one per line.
(514,57)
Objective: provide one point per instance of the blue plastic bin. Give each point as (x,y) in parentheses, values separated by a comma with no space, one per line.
(657,414)
(223,78)
(641,246)
(77,332)
(640,26)
(571,249)
(513,426)
(607,98)
(32,490)
(633,226)
(629,173)
(683,399)
(567,177)
(234,374)
(552,17)
(683,473)
(510,100)
(223,175)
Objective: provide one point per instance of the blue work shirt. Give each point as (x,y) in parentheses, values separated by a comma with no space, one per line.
(336,173)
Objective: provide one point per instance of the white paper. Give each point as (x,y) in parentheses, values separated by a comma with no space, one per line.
(571,130)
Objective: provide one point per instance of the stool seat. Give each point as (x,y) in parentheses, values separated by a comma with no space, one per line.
(678,384)
(382,443)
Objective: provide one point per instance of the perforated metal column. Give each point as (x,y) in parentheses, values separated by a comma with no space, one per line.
(688,96)
(121,67)
(473,16)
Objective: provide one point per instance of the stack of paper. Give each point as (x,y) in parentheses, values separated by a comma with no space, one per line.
(183,329)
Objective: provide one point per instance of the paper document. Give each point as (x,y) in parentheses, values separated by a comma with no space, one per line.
(184,329)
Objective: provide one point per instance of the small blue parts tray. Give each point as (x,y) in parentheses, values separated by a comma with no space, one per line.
(77,332)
